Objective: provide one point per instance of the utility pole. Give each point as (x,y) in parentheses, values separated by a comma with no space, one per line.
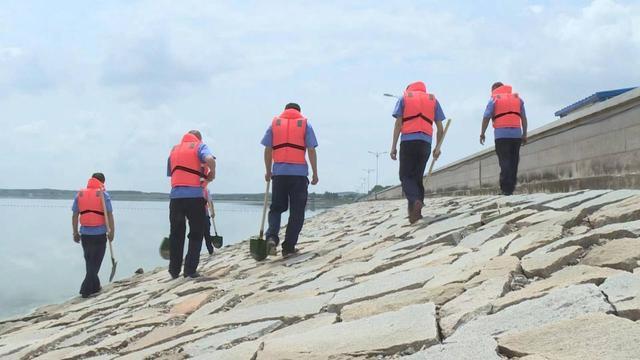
(368,171)
(377,155)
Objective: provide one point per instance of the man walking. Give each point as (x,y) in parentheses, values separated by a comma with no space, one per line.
(286,143)
(415,113)
(88,208)
(187,166)
(510,132)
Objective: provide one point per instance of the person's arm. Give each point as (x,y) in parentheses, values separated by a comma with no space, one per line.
(268,159)
(211,162)
(394,141)
(523,116)
(485,124)
(440,133)
(74,224)
(313,159)
(112,226)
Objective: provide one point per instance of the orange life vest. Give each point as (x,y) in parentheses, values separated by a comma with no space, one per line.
(90,204)
(419,109)
(506,110)
(289,131)
(186,168)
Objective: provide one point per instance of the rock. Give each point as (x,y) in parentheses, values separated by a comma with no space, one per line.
(623,292)
(545,264)
(532,239)
(191,303)
(215,341)
(592,336)
(242,351)
(471,303)
(387,333)
(496,267)
(475,239)
(475,340)
(139,271)
(381,284)
(575,200)
(571,275)
(620,254)
(622,211)
(319,320)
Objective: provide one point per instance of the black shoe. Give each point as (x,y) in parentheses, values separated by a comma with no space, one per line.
(272,248)
(193,276)
(288,254)
(173,277)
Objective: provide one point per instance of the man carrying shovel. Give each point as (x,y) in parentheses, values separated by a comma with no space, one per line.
(89,210)
(415,114)
(286,143)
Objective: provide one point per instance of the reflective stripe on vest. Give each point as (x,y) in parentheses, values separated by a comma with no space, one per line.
(90,204)
(289,132)
(419,112)
(506,109)
(186,168)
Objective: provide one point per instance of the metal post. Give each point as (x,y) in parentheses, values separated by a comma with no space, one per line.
(377,155)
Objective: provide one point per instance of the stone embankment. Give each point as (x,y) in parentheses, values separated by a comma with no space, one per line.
(541,276)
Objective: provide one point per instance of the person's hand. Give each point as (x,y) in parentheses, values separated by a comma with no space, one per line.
(394,154)
(110,236)
(210,176)
(267,176)
(481,139)
(314,179)
(76,237)
(524,139)
(436,153)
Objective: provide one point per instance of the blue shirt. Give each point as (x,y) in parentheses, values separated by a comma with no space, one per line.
(397,113)
(93,230)
(504,133)
(188,192)
(279,168)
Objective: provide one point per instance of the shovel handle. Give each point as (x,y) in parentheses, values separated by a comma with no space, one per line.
(444,133)
(264,208)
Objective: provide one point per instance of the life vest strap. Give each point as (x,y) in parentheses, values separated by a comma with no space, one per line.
(418,116)
(294,146)
(189,170)
(507,113)
(92,211)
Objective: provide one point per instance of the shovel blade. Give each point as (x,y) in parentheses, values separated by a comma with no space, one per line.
(258,248)
(114,264)
(164,248)
(216,240)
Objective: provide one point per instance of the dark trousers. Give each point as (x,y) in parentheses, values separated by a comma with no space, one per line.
(413,160)
(180,210)
(207,233)
(93,247)
(508,151)
(287,192)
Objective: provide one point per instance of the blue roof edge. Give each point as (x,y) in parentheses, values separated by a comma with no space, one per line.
(596,97)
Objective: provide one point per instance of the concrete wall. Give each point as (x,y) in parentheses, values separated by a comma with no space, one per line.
(597,147)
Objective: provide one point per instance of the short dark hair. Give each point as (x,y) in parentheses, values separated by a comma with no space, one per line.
(292,106)
(496,85)
(196,133)
(99,176)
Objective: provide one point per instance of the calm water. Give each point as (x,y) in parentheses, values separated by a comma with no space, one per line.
(40,264)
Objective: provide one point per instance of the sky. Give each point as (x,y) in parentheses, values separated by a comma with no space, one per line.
(110,86)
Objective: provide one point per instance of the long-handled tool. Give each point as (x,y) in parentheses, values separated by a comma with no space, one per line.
(114,263)
(257,245)
(216,240)
(433,162)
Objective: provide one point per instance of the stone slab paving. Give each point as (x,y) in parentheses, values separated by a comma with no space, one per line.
(369,285)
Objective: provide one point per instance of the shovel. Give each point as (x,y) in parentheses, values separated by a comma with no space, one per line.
(216,240)
(433,162)
(257,245)
(114,263)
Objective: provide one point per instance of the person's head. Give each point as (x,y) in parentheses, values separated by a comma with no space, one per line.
(99,176)
(496,85)
(196,133)
(292,106)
